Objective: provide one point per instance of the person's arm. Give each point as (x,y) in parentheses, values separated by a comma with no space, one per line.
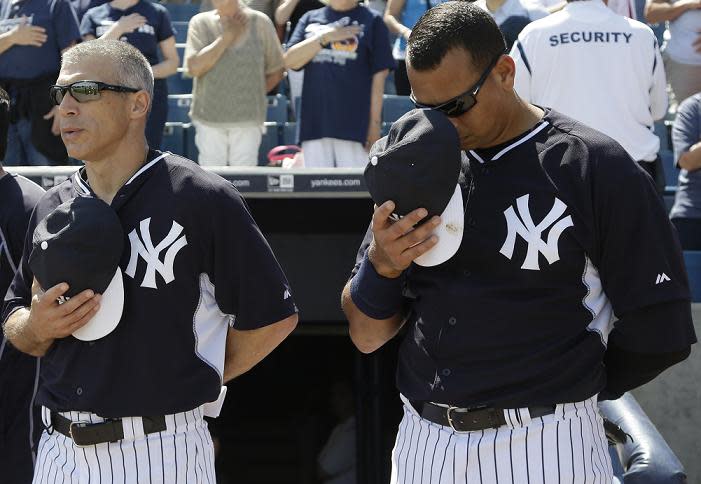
(201,59)
(33,330)
(245,349)
(273,79)
(171,60)
(685,134)
(691,160)
(372,300)
(284,11)
(124,25)
(375,124)
(392,15)
(22,34)
(657,11)
(300,54)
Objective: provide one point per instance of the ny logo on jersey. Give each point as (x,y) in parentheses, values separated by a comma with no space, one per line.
(143,246)
(522,224)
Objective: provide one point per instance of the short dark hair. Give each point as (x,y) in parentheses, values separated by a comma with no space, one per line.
(4,122)
(454,24)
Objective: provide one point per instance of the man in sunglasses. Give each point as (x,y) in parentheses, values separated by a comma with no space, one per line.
(204,299)
(510,342)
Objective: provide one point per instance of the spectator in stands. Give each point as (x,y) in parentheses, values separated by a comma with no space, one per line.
(235,57)
(400,17)
(560,64)
(146,26)
(33,33)
(290,11)
(686,138)
(682,51)
(512,15)
(82,6)
(268,7)
(345,52)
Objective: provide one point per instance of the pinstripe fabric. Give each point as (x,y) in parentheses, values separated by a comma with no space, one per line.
(183,453)
(568,447)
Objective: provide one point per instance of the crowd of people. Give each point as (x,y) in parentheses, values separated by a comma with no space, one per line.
(335,60)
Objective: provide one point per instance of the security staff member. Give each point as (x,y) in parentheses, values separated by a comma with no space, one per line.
(600,68)
(509,342)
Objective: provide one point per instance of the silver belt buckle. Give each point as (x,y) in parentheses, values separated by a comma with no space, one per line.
(79,424)
(450,420)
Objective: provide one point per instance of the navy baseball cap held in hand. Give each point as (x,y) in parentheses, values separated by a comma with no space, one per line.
(81,243)
(417,165)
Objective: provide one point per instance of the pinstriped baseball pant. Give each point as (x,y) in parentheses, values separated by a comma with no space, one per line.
(183,453)
(568,446)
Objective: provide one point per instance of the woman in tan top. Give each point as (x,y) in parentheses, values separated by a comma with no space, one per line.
(235,58)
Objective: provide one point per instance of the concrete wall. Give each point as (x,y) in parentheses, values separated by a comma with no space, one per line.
(673,403)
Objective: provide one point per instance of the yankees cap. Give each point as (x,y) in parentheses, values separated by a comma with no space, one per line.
(417,165)
(81,243)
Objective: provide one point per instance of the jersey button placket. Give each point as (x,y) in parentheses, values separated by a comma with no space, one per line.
(452,321)
(79,391)
(446,372)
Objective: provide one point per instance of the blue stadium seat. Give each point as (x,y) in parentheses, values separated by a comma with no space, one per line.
(180,28)
(179,84)
(393,107)
(174,138)
(182,12)
(277,109)
(671,172)
(385,129)
(271,139)
(191,150)
(289,134)
(178,107)
(692,259)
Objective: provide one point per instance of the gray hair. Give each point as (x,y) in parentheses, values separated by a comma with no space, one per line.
(131,67)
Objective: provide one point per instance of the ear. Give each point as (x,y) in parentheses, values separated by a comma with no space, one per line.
(140,105)
(505,70)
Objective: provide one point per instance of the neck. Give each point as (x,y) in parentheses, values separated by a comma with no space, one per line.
(494,5)
(107,175)
(2,172)
(521,117)
(343,5)
(123,4)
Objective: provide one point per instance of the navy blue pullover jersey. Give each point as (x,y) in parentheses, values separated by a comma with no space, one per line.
(194,264)
(18,196)
(563,232)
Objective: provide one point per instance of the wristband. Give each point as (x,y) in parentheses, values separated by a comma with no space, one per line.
(376,296)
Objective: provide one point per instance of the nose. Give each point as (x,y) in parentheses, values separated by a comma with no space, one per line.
(68,106)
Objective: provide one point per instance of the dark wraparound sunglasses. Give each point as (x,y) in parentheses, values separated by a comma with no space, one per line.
(462,103)
(84,91)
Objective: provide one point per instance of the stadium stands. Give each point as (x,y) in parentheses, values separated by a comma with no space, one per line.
(692,259)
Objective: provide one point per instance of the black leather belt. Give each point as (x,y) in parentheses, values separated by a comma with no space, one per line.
(471,419)
(86,433)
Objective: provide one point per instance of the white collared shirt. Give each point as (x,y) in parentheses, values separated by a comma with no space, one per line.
(598,67)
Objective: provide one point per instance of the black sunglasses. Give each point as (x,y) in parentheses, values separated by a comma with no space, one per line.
(462,103)
(84,91)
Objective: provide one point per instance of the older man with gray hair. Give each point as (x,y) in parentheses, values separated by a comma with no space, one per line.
(204,299)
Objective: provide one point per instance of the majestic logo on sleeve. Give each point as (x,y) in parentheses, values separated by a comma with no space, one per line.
(522,224)
(141,245)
